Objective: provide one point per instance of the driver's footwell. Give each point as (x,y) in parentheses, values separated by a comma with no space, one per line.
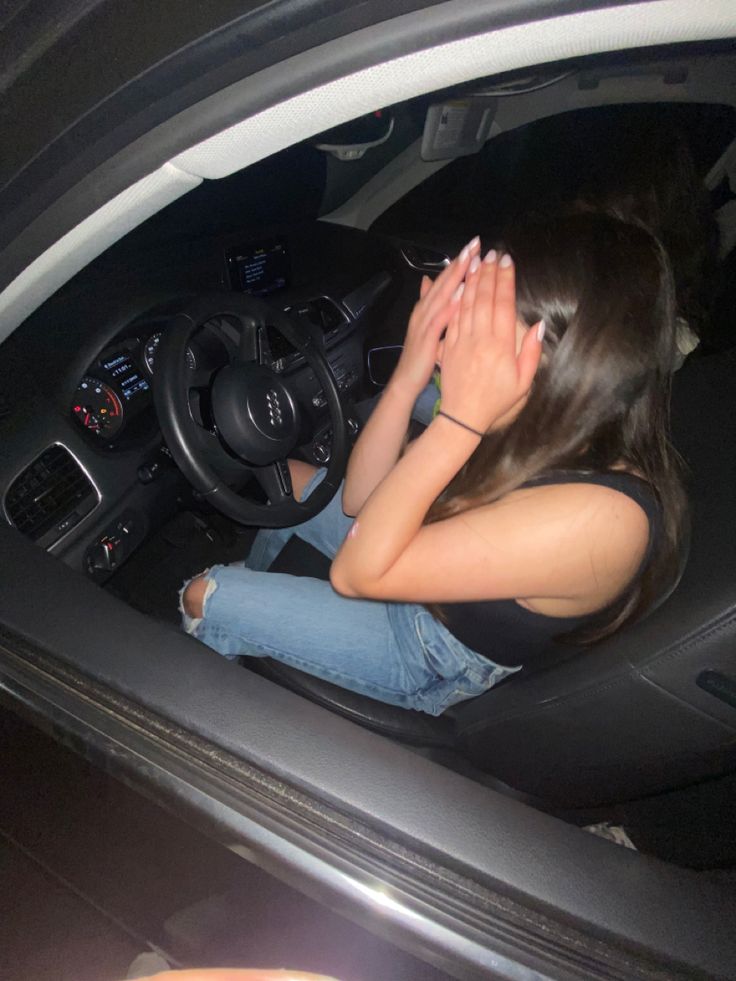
(151,579)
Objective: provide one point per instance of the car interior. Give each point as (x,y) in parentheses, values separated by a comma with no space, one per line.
(126,454)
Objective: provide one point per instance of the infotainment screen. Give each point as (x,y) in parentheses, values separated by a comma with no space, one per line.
(259,268)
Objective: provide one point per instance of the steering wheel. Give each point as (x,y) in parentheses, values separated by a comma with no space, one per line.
(254,419)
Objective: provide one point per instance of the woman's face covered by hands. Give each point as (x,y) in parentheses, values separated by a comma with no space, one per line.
(488,356)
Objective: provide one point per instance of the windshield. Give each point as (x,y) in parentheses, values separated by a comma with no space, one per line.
(554,160)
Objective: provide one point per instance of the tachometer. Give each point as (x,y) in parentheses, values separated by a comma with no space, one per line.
(149,352)
(97,407)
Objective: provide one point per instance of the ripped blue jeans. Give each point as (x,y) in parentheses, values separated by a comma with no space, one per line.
(394,652)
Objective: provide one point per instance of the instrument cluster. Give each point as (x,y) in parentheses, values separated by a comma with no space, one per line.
(117,386)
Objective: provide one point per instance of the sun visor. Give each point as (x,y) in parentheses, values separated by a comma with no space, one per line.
(457,127)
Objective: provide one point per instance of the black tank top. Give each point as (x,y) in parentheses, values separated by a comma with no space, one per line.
(513,636)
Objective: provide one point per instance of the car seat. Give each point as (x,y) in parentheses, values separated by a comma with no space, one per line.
(650,709)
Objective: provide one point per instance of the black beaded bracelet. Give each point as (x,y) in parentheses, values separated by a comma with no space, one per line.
(463,424)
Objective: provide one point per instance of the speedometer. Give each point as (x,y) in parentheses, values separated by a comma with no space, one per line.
(97,407)
(149,353)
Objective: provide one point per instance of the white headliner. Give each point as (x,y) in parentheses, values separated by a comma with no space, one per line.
(709,78)
(295,119)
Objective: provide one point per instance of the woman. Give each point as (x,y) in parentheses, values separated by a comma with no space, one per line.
(542,500)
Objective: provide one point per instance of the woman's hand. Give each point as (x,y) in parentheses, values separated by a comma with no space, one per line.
(438,302)
(485,372)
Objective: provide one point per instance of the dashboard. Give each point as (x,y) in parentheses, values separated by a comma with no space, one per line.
(113,395)
(84,471)
(113,398)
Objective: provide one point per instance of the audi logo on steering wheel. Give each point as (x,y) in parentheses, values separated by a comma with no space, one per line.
(274,407)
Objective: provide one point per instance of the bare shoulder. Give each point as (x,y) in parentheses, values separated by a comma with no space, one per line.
(594,537)
(562,550)
(572,505)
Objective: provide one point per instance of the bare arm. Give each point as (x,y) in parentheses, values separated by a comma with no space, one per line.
(378,447)
(380,443)
(484,376)
(565,549)
(569,548)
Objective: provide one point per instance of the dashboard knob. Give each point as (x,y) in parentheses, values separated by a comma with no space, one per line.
(321,452)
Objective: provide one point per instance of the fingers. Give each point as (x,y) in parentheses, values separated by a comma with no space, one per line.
(529,356)
(453,329)
(494,300)
(424,287)
(435,327)
(504,307)
(467,303)
(443,288)
(485,294)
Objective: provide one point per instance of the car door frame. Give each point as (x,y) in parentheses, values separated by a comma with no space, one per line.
(363,824)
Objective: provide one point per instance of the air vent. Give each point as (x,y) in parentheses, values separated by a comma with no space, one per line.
(324,313)
(50,496)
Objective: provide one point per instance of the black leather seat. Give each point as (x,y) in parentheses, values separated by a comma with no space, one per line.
(651,709)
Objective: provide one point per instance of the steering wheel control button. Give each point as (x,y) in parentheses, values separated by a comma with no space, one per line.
(321,452)
(282,468)
(255,413)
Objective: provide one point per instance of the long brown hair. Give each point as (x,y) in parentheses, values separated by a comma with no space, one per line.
(650,176)
(601,395)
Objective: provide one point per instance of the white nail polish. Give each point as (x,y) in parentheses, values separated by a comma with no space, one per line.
(490,256)
(474,264)
(465,253)
(474,243)
(458,292)
(506,261)
(540,330)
